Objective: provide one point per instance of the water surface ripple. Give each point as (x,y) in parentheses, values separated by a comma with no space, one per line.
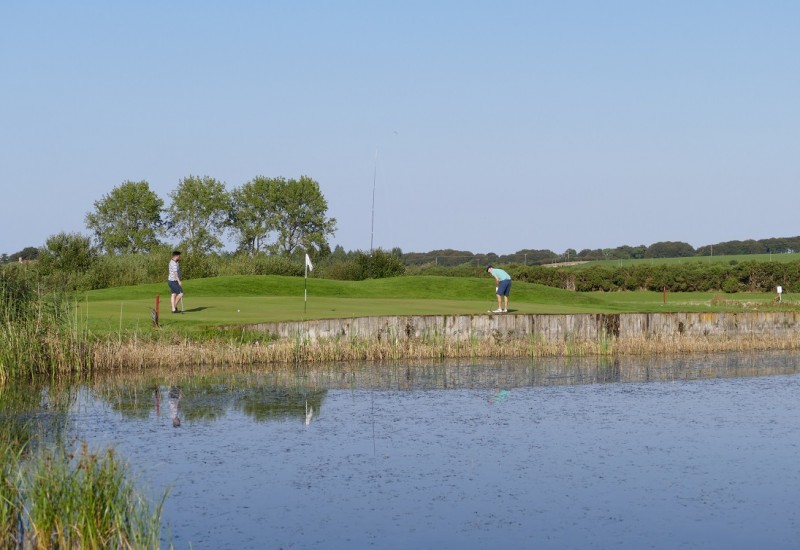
(468,456)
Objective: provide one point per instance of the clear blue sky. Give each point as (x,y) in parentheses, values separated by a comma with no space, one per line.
(499,125)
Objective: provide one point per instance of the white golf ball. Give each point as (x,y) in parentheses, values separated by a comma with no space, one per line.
(238,310)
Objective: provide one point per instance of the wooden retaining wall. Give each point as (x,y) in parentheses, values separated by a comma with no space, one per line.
(579,327)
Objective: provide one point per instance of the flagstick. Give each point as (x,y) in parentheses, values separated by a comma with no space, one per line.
(310,266)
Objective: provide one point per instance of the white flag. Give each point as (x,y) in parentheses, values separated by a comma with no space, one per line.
(308,263)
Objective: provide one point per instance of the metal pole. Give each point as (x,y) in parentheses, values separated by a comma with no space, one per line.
(374,179)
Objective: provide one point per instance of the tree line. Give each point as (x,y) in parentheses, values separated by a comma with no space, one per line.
(664,249)
(275,215)
(695,276)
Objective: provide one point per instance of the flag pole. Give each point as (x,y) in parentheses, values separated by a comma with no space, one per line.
(309,266)
(305,291)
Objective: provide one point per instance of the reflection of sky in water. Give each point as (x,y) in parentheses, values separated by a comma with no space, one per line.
(703,463)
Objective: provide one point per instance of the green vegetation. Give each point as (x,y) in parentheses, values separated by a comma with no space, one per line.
(238,300)
(659,250)
(729,259)
(55,500)
(55,494)
(686,276)
(37,333)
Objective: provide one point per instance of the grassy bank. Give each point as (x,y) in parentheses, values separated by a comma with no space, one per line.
(242,300)
(112,329)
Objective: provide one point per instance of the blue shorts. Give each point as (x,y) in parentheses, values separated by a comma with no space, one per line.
(504,288)
(175,287)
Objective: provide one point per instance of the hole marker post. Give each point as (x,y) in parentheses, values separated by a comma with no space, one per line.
(309,267)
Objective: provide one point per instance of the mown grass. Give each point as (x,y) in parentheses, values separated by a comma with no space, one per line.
(242,300)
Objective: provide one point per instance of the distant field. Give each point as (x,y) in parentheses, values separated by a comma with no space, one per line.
(740,258)
(253,299)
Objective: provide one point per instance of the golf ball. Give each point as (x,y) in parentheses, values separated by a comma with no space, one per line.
(238,310)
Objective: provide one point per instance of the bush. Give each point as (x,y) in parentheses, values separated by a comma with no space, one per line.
(380,265)
(195,266)
(731,285)
(17,293)
(342,270)
(127,270)
(360,266)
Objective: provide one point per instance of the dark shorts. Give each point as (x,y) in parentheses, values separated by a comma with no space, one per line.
(504,288)
(175,287)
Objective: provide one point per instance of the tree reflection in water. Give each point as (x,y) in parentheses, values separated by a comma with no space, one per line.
(208,397)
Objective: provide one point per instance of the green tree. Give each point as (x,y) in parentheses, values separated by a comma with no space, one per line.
(27,253)
(281,216)
(300,216)
(253,215)
(128,219)
(669,249)
(198,213)
(67,253)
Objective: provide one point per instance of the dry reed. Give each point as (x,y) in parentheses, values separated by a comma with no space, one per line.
(139,355)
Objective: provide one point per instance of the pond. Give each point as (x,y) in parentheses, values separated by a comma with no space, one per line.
(694,452)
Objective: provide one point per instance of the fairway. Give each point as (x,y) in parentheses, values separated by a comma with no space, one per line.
(244,300)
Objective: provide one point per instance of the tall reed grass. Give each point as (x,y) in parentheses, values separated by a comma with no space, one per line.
(55,500)
(39,333)
(137,354)
(12,503)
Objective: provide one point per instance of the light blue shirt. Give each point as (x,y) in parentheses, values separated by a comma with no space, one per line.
(500,274)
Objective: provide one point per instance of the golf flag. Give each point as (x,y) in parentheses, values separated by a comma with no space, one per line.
(309,267)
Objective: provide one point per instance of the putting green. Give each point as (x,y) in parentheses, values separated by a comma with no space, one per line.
(247,300)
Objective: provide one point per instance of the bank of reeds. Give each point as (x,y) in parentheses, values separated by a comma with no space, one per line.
(55,500)
(145,354)
(38,334)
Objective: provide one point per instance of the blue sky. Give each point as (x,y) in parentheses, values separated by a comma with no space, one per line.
(498,125)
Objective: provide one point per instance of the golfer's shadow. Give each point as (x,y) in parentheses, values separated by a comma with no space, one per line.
(194,309)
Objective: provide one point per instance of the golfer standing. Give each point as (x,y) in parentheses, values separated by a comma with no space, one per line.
(174,281)
(503,287)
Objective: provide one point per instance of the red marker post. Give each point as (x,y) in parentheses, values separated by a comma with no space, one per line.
(156,311)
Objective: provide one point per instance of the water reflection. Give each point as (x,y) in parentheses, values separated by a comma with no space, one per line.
(36,414)
(579,453)
(209,397)
(174,396)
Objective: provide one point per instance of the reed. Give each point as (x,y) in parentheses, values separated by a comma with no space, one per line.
(83,502)
(142,354)
(39,334)
(12,503)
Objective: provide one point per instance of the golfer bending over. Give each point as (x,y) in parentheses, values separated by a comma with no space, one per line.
(503,287)
(174,281)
